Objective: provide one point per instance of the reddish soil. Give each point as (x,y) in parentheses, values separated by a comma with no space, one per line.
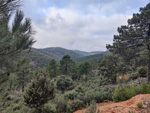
(121,107)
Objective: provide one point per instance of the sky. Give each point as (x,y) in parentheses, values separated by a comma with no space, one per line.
(86,25)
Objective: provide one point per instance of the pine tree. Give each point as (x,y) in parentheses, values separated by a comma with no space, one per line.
(84,68)
(52,68)
(14,39)
(66,65)
(38,92)
(133,39)
(23,70)
(111,66)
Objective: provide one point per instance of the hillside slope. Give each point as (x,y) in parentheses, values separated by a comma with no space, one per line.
(41,57)
(60,52)
(94,56)
(122,107)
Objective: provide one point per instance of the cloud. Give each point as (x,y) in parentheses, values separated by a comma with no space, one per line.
(86,25)
(70,29)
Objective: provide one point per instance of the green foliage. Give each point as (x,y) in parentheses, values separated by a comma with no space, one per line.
(75,105)
(92,108)
(145,88)
(71,95)
(50,108)
(140,105)
(61,104)
(123,93)
(15,106)
(133,39)
(23,70)
(111,66)
(84,68)
(38,92)
(66,65)
(130,111)
(20,30)
(52,68)
(38,60)
(64,83)
(98,95)
(92,57)
(142,71)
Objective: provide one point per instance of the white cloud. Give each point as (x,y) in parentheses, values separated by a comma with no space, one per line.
(84,25)
(73,30)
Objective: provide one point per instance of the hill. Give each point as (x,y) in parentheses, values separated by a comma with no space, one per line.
(41,57)
(122,107)
(93,56)
(60,52)
(38,59)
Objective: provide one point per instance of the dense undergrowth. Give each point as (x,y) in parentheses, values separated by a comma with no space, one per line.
(123,93)
(66,86)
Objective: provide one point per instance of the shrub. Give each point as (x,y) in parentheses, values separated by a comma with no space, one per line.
(123,93)
(92,108)
(50,108)
(38,92)
(71,95)
(61,104)
(145,88)
(130,112)
(142,71)
(64,83)
(75,105)
(140,105)
(127,92)
(15,107)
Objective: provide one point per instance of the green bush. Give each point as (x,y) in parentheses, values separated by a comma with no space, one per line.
(145,88)
(126,92)
(123,93)
(92,108)
(50,108)
(98,95)
(75,105)
(142,71)
(64,83)
(71,95)
(140,105)
(61,104)
(15,107)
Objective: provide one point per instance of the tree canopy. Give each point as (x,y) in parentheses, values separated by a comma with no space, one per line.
(134,39)
(14,39)
(66,65)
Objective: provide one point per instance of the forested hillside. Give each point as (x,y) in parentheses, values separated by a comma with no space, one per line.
(93,56)
(60,52)
(41,57)
(57,80)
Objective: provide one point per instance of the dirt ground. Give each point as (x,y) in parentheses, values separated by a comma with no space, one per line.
(122,107)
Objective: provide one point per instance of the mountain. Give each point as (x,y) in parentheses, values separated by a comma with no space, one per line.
(83,53)
(60,52)
(38,59)
(41,57)
(93,56)
(95,52)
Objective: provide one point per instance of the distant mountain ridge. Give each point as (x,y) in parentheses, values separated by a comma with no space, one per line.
(41,57)
(92,56)
(59,52)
